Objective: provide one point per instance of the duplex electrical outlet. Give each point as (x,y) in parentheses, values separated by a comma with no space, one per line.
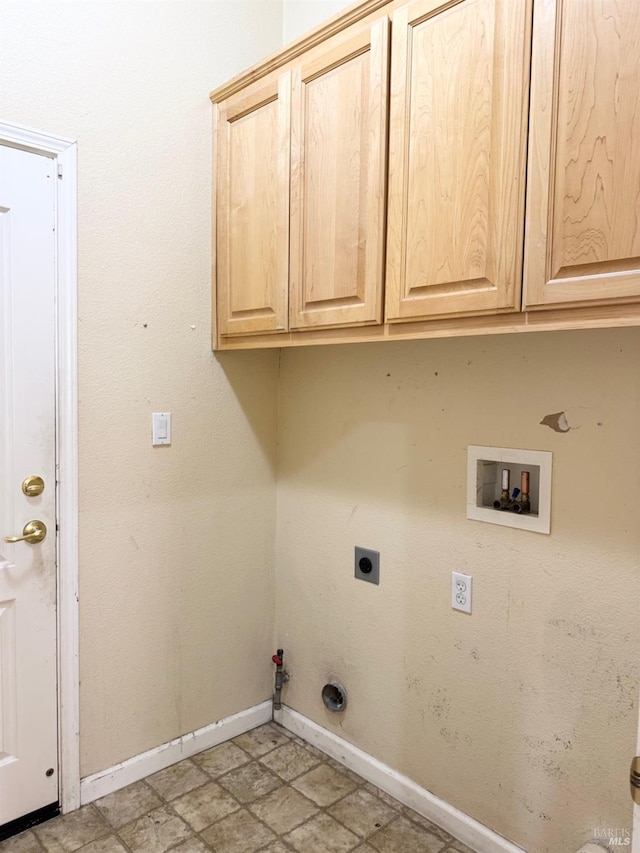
(367,565)
(461,591)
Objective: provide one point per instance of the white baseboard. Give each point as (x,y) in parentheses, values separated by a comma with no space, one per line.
(472,833)
(133,769)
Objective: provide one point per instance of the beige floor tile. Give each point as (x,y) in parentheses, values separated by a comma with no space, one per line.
(363,813)
(295,798)
(348,773)
(155,832)
(191,845)
(317,753)
(322,834)
(241,832)
(402,836)
(291,735)
(127,804)
(324,785)
(459,847)
(260,741)
(425,823)
(177,779)
(110,844)
(26,842)
(280,729)
(283,810)
(71,831)
(249,782)
(386,798)
(221,759)
(289,761)
(204,806)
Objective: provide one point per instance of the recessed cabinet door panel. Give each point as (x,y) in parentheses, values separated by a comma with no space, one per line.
(583,205)
(339,119)
(459,86)
(253,132)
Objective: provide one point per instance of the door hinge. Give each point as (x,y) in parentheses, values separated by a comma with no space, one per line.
(634,780)
(59,170)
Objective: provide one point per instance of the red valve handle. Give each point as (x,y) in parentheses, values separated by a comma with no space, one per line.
(276,660)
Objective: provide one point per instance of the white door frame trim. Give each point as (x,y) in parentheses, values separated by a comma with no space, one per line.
(635,832)
(64,152)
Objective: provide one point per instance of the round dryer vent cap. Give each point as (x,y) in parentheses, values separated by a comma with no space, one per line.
(334,696)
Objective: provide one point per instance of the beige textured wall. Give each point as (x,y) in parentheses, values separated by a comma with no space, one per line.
(523,714)
(301,15)
(176,543)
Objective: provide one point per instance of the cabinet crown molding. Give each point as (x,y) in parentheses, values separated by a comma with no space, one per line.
(296,48)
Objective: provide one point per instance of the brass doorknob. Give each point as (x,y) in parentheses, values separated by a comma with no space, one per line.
(33,532)
(33,486)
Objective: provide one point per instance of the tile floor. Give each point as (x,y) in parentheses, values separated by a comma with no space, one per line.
(266,790)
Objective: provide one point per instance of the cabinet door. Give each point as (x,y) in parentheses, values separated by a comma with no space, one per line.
(459,87)
(338,163)
(583,198)
(252,186)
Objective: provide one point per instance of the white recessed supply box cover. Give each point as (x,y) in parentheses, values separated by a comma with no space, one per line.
(485,466)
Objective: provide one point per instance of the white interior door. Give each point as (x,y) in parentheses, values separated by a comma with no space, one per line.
(28,701)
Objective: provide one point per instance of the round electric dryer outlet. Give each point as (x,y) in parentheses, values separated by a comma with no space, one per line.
(367,565)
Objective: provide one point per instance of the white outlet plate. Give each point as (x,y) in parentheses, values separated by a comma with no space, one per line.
(461,586)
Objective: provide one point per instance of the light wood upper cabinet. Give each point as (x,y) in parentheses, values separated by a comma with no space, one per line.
(338,182)
(583,205)
(252,209)
(459,86)
(370,178)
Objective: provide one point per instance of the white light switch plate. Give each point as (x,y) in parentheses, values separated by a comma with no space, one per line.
(161,428)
